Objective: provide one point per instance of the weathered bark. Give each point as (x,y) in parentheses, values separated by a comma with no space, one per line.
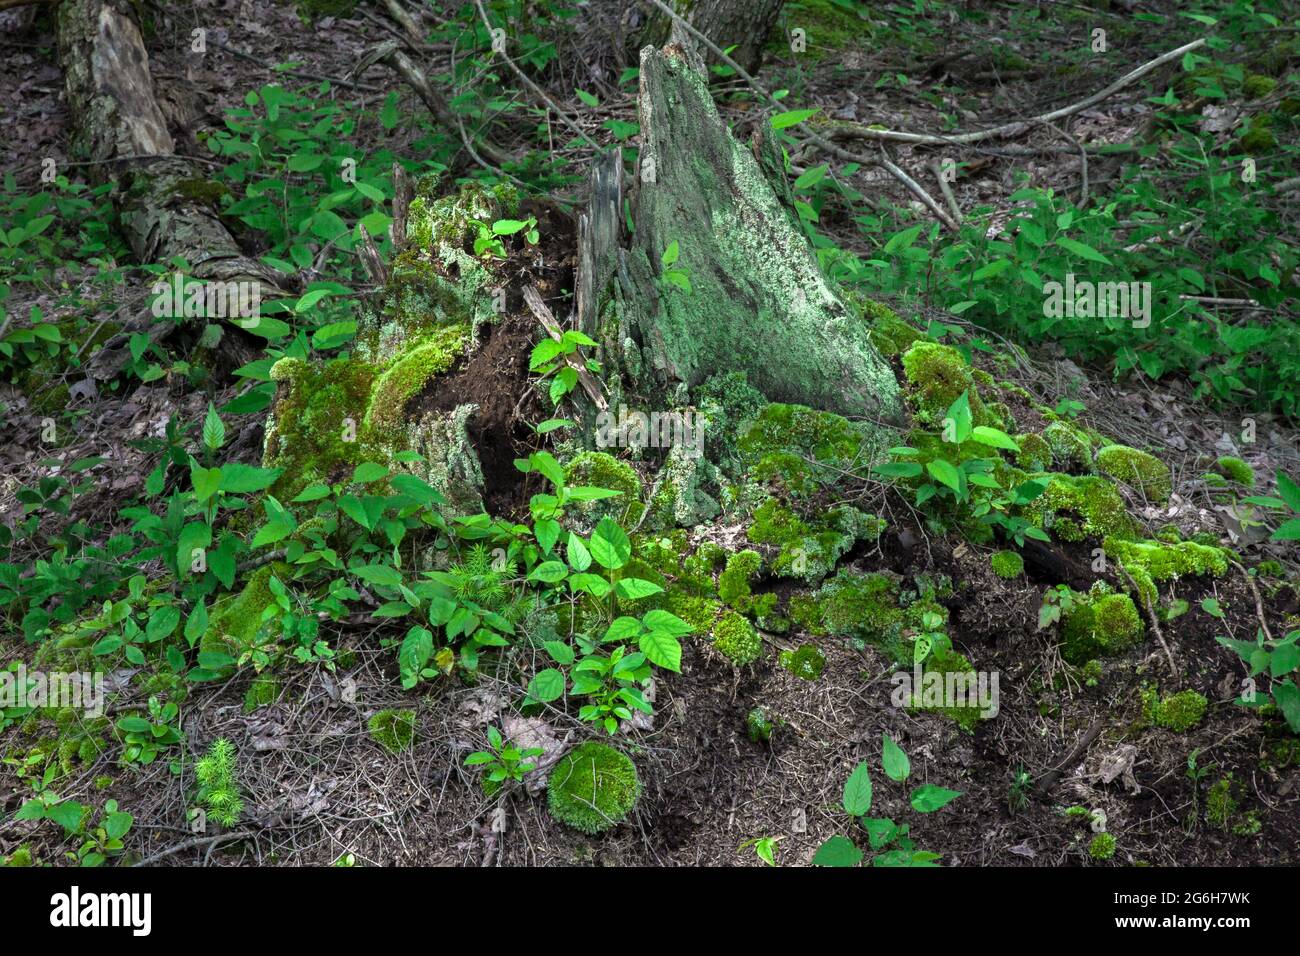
(744,24)
(759,302)
(121,128)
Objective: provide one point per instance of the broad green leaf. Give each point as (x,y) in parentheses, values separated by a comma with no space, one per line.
(928,798)
(857,791)
(897,766)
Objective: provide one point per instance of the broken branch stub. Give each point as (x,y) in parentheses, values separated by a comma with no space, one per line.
(754,298)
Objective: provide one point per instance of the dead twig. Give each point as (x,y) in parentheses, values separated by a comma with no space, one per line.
(1259,603)
(544,316)
(1151,616)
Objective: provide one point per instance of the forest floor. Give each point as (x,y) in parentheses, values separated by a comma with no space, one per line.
(317,786)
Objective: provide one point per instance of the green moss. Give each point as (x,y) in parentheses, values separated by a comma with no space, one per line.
(1234,469)
(810,550)
(236,619)
(699,612)
(593,788)
(598,469)
(1035,454)
(937,376)
(803,449)
(205,191)
(1007,564)
(727,403)
(264,690)
(942,662)
(1070,446)
(736,639)
(405,378)
(1179,712)
(1102,847)
(1220,807)
(890,334)
(1258,137)
(1100,624)
(311,10)
(734,582)
(394,730)
(1149,562)
(21,857)
(315,429)
(827,26)
(1145,472)
(807,662)
(1256,85)
(1074,508)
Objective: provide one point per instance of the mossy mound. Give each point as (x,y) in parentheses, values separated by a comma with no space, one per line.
(1074,508)
(394,730)
(1007,564)
(593,788)
(889,333)
(1070,447)
(809,550)
(936,376)
(737,640)
(1035,453)
(734,582)
(803,449)
(1101,624)
(1144,472)
(1149,562)
(1102,847)
(1234,469)
(598,469)
(236,618)
(1177,712)
(949,669)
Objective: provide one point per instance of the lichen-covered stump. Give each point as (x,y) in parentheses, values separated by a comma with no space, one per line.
(757,300)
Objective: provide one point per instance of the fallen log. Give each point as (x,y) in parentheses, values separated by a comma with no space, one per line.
(120,129)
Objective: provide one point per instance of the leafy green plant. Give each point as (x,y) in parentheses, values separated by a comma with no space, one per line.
(503,762)
(1287,502)
(888,841)
(1280,660)
(553,359)
(96,843)
(143,738)
(672,272)
(955,473)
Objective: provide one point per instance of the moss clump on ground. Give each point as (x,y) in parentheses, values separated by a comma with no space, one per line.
(889,334)
(1074,508)
(1220,806)
(1100,624)
(394,730)
(264,690)
(1178,712)
(1007,564)
(1070,446)
(810,550)
(871,608)
(803,449)
(1035,454)
(1256,85)
(598,469)
(236,619)
(734,582)
(1234,469)
(1144,472)
(592,788)
(806,663)
(1148,562)
(937,376)
(1102,847)
(736,639)
(945,661)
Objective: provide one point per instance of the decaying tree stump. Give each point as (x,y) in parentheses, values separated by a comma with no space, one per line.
(758,301)
(119,126)
(741,25)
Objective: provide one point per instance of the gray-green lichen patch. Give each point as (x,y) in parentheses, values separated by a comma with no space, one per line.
(759,302)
